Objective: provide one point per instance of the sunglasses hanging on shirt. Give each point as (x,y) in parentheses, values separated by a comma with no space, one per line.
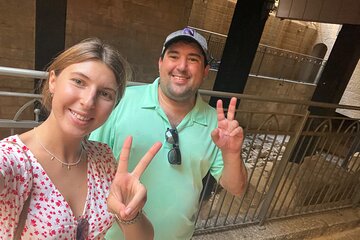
(174,155)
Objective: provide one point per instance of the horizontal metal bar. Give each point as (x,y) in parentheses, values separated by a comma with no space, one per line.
(15,94)
(19,72)
(4,123)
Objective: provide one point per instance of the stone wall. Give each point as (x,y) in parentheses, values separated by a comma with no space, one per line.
(351,95)
(327,34)
(296,36)
(216,16)
(270,88)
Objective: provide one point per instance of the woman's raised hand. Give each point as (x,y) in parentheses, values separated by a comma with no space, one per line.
(127,195)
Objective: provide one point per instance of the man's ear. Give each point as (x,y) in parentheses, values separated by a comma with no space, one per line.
(160,62)
(206,70)
(52,81)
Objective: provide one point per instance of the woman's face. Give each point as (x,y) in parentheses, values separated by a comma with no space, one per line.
(84,95)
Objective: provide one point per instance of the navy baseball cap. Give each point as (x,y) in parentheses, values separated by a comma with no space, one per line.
(187,33)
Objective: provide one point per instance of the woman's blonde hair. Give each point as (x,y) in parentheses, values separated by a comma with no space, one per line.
(90,49)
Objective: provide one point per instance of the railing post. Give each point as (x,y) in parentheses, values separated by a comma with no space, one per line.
(356,201)
(262,58)
(280,171)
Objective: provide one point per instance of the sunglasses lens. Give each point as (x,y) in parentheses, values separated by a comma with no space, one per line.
(169,137)
(174,156)
(172,137)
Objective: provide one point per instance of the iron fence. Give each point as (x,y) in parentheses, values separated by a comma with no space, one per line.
(298,162)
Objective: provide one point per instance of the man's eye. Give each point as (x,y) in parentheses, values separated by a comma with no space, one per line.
(193,59)
(173,56)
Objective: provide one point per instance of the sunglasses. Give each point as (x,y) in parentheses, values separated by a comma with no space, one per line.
(82,230)
(174,155)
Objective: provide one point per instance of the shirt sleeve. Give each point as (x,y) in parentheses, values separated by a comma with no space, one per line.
(217,166)
(17,172)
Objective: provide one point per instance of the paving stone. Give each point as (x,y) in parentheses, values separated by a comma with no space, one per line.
(341,224)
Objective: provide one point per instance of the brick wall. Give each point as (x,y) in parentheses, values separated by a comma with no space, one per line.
(137,28)
(212,15)
(16,50)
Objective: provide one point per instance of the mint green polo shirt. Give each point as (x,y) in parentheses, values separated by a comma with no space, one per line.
(173,190)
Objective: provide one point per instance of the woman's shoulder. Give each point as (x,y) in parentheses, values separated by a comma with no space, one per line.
(15,156)
(12,144)
(101,157)
(97,149)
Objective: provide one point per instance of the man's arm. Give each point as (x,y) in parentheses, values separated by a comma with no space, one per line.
(234,176)
(228,136)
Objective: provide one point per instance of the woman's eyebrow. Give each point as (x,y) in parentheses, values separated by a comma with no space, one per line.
(85,76)
(81,74)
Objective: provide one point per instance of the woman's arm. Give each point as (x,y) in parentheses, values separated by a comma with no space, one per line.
(139,228)
(2,182)
(127,195)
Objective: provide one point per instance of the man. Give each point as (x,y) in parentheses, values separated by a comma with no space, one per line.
(195,137)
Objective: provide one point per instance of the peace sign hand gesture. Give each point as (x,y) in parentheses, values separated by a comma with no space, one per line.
(127,195)
(228,136)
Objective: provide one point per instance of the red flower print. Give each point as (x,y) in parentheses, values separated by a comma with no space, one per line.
(33,223)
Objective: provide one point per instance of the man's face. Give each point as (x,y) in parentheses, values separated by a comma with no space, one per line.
(182,71)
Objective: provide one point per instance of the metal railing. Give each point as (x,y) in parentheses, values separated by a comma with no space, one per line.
(299,163)
(270,61)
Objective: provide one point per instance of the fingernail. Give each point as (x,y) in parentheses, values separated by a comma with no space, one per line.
(128,211)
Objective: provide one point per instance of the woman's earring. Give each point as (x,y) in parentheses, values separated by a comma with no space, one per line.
(51,95)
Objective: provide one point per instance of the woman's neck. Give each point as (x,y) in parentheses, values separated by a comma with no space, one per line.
(53,140)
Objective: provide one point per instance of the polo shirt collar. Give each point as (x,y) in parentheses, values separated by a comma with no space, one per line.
(150,99)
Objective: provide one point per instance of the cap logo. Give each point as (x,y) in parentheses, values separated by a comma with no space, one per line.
(188,31)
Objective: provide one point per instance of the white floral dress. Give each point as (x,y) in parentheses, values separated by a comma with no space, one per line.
(49,215)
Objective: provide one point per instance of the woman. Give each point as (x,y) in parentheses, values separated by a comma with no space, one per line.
(55,179)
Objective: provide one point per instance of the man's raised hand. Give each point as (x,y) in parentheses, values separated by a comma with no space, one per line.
(228,136)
